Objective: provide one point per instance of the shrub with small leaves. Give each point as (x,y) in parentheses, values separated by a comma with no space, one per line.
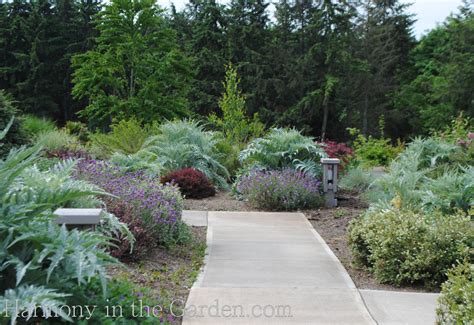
(371,151)
(405,247)
(284,190)
(455,305)
(191,182)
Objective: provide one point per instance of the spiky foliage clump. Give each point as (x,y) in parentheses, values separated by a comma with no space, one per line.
(32,126)
(140,161)
(186,144)
(357,179)
(424,177)
(57,140)
(41,262)
(284,148)
(126,137)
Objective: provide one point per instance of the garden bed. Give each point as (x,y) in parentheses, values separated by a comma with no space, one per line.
(168,273)
(332,225)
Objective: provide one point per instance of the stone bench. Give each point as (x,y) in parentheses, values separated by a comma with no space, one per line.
(78,218)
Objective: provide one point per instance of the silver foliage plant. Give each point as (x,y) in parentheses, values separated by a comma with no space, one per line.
(284,148)
(40,262)
(423,177)
(177,145)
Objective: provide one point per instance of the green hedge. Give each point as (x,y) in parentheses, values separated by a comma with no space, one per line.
(405,247)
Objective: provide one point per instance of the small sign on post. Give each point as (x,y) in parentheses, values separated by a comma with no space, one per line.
(330,167)
(78,218)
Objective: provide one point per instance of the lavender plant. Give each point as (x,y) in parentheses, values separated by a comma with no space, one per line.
(285,189)
(158,206)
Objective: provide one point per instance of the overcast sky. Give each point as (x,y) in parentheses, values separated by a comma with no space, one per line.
(428,12)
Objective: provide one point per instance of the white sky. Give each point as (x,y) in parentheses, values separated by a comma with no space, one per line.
(428,12)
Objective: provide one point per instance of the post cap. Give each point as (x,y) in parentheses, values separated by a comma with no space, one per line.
(330,161)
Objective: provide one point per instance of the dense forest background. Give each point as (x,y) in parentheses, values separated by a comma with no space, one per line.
(319,66)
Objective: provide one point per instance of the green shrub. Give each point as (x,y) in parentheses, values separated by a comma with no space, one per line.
(32,126)
(14,137)
(371,152)
(57,140)
(229,154)
(356,179)
(458,129)
(183,144)
(405,247)
(78,129)
(282,148)
(126,137)
(455,305)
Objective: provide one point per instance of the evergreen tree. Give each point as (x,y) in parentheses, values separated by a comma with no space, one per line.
(207,45)
(379,32)
(247,38)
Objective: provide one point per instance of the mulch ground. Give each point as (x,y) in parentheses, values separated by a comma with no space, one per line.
(169,273)
(330,223)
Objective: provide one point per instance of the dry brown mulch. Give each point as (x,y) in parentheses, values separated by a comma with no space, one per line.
(222,201)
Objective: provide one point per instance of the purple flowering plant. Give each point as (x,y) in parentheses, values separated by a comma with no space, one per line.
(158,207)
(283,190)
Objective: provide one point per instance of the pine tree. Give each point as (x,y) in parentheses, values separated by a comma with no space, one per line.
(247,38)
(380,56)
(207,46)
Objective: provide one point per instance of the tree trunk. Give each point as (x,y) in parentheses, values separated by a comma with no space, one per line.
(325,119)
(365,113)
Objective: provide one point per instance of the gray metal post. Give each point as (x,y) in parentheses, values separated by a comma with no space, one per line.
(330,169)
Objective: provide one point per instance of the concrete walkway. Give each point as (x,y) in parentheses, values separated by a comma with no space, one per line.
(395,307)
(270,268)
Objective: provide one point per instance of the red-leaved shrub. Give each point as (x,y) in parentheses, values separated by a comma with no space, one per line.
(338,150)
(191,182)
(144,240)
